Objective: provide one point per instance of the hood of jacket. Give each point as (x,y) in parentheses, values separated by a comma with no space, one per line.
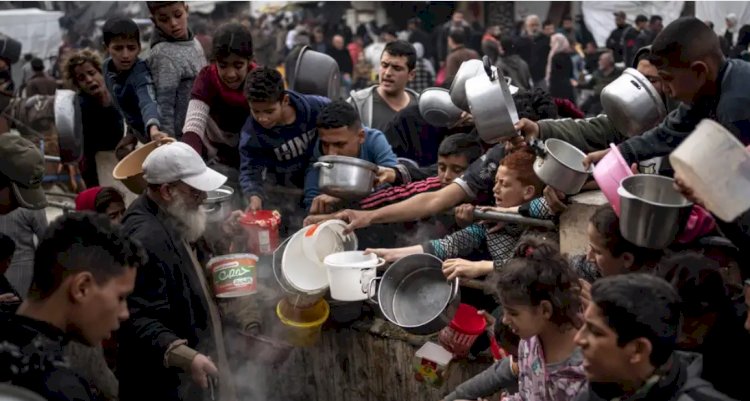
(159,37)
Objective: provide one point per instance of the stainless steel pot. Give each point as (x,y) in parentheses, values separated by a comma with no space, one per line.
(468,69)
(414,295)
(632,103)
(69,125)
(316,74)
(652,212)
(491,105)
(561,166)
(345,177)
(436,107)
(218,203)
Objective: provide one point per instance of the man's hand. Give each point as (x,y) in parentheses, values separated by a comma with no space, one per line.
(394,254)
(315,219)
(528,128)
(464,215)
(453,268)
(324,204)
(594,157)
(8,297)
(355,218)
(231,225)
(685,190)
(466,120)
(555,199)
(386,175)
(201,368)
(155,134)
(256,203)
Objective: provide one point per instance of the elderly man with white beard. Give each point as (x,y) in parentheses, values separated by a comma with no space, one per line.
(172,347)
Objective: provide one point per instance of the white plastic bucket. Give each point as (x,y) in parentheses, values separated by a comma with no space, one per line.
(716,165)
(303,275)
(321,240)
(350,273)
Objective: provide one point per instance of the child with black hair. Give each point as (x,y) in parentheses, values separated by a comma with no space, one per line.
(610,252)
(175,59)
(218,108)
(10,299)
(628,340)
(540,297)
(278,137)
(341,133)
(129,81)
(712,325)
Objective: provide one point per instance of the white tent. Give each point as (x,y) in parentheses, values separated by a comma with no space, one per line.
(38,31)
(601,21)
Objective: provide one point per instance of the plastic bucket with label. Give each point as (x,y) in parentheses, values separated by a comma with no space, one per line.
(262,231)
(234,275)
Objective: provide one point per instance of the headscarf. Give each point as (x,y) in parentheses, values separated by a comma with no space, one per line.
(558,43)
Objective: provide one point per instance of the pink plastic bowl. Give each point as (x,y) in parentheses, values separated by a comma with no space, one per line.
(609,172)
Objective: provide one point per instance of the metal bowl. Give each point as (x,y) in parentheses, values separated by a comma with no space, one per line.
(492,105)
(218,203)
(469,69)
(632,103)
(561,167)
(345,177)
(316,74)
(437,109)
(69,125)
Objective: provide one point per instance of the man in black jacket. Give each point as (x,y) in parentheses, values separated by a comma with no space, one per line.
(84,268)
(172,346)
(628,341)
(621,36)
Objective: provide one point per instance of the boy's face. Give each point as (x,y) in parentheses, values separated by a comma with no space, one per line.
(394,73)
(684,83)
(233,70)
(606,263)
(89,79)
(269,113)
(98,309)
(451,167)
(508,190)
(603,360)
(172,20)
(342,141)
(124,53)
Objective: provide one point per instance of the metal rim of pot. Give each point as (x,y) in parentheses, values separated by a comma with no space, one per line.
(468,69)
(329,161)
(639,177)
(491,104)
(333,80)
(429,104)
(547,153)
(650,90)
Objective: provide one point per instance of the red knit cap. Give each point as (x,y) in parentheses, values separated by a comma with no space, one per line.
(85,200)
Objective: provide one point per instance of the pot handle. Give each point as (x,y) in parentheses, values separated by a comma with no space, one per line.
(366,280)
(322,164)
(487,66)
(624,193)
(370,290)
(456,288)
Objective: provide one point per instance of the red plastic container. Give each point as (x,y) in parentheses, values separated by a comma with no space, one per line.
(466,326)
(262,231)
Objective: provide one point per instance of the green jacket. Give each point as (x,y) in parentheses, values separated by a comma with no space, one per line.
(588,135)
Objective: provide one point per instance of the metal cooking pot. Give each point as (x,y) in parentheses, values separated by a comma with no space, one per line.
(345,177)
(414,295)
(69,125)
(652,212)
(10,49)
(218,203)
(437,109)
(560,165)
(316,74)
(9,392)
(492,105)
(632,103)
(468,69)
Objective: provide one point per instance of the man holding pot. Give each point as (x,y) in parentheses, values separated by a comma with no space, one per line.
(172,347)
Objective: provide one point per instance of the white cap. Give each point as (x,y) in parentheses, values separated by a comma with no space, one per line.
(178,161)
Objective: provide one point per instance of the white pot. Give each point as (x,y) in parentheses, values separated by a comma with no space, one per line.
(350,273)
(716,166)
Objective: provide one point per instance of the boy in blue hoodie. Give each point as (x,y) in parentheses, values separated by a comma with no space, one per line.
(279,135)
(341,133)
(128,79)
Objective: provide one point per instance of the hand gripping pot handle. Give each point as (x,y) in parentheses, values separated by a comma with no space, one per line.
(371,292)
(322,165)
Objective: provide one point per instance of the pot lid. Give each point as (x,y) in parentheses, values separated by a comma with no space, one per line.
(222,194)
(353,161)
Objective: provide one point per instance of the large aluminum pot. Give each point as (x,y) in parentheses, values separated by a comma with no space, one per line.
(491,105)
(316,74)
(414,295)
(345,177)
(436,107)
(561,166)
(69,125)
(632,103)
(218,203)
(652,211)
(468,69)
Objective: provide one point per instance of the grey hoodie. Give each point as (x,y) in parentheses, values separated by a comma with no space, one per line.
(174,65)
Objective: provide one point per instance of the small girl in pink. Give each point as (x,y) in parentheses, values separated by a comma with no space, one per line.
(540,295)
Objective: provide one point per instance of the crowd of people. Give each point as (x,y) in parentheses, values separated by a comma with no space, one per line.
(112,302)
